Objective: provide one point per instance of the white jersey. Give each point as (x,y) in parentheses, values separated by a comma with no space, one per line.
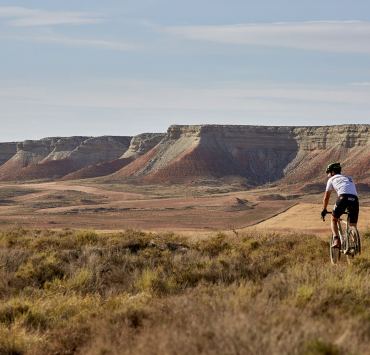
(342,185)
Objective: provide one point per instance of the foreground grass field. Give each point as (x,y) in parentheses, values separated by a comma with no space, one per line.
(73,292)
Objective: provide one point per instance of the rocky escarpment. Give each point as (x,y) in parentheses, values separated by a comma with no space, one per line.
(142,143)
(99,149)
(7,150)
(139,145)
(57,156)
(28,153)
(349,144)
(259,154)
(255,155)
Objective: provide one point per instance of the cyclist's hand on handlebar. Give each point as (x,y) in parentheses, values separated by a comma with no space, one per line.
(324,212)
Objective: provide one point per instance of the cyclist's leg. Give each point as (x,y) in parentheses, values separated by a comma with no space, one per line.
(335,231)
(338,210)
(334,226)
(353,211)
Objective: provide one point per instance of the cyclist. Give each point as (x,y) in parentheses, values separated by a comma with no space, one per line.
(347,199)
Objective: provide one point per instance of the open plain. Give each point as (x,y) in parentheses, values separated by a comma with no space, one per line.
(87,204)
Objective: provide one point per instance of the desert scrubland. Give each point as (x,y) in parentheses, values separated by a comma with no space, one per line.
(79,292)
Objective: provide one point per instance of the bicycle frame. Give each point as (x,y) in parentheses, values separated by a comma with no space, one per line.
(343,236)
(349,238)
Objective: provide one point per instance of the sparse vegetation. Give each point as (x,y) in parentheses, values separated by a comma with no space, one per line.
(8,193)
(195,189)
(67,292)
(64,199)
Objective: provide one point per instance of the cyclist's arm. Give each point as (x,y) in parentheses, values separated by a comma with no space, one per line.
(325,200)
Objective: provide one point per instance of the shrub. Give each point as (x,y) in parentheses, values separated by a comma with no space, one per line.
(319,347)
(16,341)
(39,269)
(9,311)
(87,238)
(366,234)
(304,294)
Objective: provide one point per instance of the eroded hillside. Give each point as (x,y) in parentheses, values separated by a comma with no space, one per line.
(258,154)
(56,157)
(251,155)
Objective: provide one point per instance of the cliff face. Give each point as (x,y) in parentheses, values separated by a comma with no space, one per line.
(318,138)
(56,157)
(141,144)
(187,152)
(257,153)
(318,146)
(61,148)
(100,149)
(29,152)
(7,150)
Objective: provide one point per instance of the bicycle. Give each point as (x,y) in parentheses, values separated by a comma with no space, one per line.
(349,238)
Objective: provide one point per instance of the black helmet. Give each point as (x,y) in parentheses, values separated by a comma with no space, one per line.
(334,167)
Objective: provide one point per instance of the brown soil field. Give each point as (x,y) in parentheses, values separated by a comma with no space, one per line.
(88,205)
(304,218)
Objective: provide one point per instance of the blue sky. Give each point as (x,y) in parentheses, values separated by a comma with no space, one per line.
(127,67)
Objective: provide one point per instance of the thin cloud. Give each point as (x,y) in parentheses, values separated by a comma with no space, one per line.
(326,36)
(362,83)
(25,17)
(226,96)
(75,42)
(223,103)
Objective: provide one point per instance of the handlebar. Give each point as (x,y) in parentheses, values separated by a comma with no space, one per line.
(331,212)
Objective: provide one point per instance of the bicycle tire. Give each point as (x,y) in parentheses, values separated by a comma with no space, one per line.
(355,237)
(333,252)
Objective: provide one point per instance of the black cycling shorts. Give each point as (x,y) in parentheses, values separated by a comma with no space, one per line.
(349,203)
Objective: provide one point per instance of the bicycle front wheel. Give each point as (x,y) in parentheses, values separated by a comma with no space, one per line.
(355,239)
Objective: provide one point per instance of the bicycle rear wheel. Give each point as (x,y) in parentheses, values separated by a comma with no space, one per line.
(334,252)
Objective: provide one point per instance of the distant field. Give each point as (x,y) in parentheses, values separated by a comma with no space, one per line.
(86,204)
(305,217)
(78,292)
(116,207)
(8,193)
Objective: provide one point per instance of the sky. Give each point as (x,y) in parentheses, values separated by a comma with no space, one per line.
(124,67)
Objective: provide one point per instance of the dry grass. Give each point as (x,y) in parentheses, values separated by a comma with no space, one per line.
(64,199)
(8,193)
(73,292)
